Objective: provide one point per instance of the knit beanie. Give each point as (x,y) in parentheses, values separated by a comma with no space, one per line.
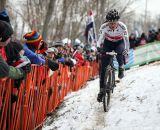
(5,31)
(33,39)
(4,16)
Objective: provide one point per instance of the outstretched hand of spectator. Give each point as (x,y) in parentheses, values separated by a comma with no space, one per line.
(52,64)
(69,62)
(25,69)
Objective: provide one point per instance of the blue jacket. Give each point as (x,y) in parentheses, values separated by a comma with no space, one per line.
(61,60)
(32,56)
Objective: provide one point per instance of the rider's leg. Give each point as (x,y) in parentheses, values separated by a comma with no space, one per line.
(104,64)
(120,58)
(108,46)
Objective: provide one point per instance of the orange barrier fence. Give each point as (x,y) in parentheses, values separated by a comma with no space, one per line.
(39,94)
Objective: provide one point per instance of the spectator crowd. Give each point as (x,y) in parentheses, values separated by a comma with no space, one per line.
(17,56)
(152,36)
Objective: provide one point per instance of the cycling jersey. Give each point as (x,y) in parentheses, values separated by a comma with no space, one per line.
(119,33)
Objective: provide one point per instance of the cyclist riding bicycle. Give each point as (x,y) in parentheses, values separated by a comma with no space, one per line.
(114,36)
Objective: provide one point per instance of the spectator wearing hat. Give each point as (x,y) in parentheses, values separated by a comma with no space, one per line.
(67,45)
(21,59)
(18,73)
(12,48)
(132,41)
(142,40)
(151,36)
(78,54)
(34,44)
(6,70)
(6,32)
(59,45)
(51,52)
(63,55)
(4,40)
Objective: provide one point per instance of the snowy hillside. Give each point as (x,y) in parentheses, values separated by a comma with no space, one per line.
(135,105)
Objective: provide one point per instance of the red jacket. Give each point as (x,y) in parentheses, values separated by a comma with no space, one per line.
(79,58)
(3,53)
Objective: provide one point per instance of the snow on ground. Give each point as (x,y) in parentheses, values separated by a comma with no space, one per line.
(135,105)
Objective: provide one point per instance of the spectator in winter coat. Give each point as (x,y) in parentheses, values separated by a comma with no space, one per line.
(78,55)
(63,55)
(21,69)
(142,40)
(6,31)
(151,36)
(34,44)
(16,58)
(14,51)
(132,41)
(6,70)
(59,45)
(20,60)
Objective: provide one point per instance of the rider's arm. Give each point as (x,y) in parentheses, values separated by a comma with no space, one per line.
(126,38)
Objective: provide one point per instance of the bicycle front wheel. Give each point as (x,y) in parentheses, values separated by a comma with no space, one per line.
(106,101)
(107,91)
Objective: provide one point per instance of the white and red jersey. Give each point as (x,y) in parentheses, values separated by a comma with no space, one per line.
(120,33)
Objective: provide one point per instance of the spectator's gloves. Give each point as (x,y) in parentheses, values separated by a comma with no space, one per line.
(25,69)
(125,52)
(74,61)
(69,62)
(61,60)
(52,65)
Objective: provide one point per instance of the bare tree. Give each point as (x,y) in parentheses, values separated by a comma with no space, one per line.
(2,4)
(57,19)
(48,17)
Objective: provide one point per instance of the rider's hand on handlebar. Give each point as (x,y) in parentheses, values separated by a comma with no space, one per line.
(100,50)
